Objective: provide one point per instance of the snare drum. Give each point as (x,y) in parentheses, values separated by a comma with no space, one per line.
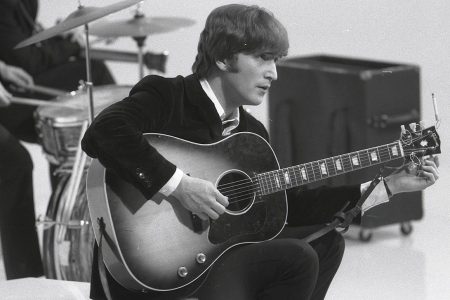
(59,128)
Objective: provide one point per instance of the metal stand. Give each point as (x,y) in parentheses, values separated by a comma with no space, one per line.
(140,41)
(77,171)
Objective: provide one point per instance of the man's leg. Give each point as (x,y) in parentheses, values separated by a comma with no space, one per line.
(276,269)
(330,250)
(20,243)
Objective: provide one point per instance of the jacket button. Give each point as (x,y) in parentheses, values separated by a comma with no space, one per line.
(141,175)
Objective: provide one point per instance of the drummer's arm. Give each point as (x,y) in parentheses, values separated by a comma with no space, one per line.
(35,59)
(115,138)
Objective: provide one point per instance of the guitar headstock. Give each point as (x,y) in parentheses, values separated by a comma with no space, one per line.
(419,142)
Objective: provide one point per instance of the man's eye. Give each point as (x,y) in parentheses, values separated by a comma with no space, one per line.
(268,57)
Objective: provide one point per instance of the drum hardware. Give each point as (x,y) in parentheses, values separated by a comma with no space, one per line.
(139,27)
(82,16)
(153,61)
(74,184)
(59,128)
(71,224)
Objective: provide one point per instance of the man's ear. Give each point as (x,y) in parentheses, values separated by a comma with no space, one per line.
(223,65)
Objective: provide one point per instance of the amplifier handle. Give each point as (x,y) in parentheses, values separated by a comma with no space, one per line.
(385,120)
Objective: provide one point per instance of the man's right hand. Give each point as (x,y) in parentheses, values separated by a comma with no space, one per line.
(200,197)
(5,97)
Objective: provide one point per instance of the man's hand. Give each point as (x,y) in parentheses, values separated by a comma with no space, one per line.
(409,178)
(200,197)
(5,97)
(15,75)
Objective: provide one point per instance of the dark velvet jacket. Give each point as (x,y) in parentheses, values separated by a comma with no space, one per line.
(16,24)
(179,107)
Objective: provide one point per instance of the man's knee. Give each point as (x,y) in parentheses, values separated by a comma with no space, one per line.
(302,259)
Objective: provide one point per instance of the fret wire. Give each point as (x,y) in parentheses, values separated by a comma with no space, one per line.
(330,160)
(308,173)
(269,183)
(326,167)
(314,164)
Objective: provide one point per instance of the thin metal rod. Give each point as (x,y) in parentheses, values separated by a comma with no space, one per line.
(89,84)
(141,62)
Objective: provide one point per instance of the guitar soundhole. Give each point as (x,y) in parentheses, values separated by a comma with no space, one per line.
(240,190)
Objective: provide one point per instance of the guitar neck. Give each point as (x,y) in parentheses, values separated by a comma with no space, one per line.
(286,178)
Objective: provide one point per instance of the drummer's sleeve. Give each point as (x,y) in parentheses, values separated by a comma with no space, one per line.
(115,138)
(35,58)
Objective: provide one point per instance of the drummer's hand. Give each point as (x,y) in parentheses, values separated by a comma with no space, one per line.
(200,197)
(76,35)
(5,97)
(16,75)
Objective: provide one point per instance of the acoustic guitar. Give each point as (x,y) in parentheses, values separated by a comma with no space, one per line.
(156,244)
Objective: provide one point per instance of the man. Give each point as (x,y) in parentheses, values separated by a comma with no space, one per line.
(235,66)
(20,245)
(52,63)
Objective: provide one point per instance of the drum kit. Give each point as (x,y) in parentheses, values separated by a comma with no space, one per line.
(68,236)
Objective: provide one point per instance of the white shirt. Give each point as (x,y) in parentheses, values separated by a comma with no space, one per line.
(378,195)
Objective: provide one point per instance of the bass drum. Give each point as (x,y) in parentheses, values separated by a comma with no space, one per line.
(68,238)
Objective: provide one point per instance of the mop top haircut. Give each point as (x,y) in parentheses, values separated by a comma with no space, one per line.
(237,28)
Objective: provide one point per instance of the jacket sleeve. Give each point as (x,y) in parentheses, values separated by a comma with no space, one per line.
(35,58)
(115,137)
(317,206)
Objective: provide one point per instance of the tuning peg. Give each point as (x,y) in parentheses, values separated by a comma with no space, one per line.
(402,127)
(422,125)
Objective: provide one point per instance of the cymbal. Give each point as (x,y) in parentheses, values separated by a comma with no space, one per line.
(81,16)
(139,27)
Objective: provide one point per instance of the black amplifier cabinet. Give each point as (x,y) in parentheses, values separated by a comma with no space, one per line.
(323,106)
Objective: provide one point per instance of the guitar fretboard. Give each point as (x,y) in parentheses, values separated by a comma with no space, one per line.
(286,178)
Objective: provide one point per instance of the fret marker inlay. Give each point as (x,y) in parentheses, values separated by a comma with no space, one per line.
(394,151)
(338,164)
(374,156)
(323,169)
(304,174)
(286,178)
(355,160)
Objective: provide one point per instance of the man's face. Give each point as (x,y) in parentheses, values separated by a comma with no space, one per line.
(249,77)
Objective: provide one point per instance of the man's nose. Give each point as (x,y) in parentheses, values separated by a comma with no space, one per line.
(271,72)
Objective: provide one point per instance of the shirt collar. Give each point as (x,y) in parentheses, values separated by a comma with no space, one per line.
(234,117)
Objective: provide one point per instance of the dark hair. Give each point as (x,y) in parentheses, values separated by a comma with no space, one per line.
(237,28)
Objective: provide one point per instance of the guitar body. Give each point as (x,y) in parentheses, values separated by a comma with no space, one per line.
(156,244)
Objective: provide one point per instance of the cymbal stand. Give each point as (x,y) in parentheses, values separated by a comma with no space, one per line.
(78,168)
(140,41)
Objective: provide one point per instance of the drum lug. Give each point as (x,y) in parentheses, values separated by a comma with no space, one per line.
(71,224)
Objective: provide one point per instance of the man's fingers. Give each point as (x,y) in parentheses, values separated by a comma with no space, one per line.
(211,213)
(430,171)
(202,216)
(217,207)
(222,199)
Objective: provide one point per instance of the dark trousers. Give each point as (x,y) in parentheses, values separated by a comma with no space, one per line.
(20,245)
(283,268)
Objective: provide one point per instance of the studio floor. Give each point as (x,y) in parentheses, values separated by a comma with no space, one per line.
(390,266)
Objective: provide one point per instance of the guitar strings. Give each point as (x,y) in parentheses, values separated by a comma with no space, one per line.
(249,185)
(349,154)
(248,188)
